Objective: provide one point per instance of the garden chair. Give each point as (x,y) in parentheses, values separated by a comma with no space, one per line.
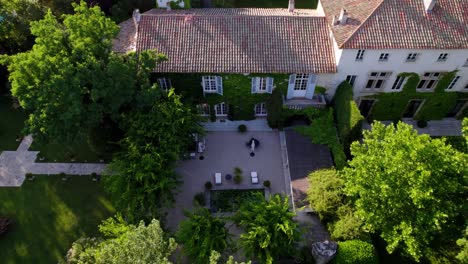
(218,178)
(254,177)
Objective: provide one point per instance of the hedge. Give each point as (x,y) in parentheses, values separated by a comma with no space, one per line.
(275,111)
(355,252)
(391,106)
(347,115)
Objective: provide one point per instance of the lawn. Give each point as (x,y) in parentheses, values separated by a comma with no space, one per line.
(231,200)
(11,123)
(275,3)
(48,215)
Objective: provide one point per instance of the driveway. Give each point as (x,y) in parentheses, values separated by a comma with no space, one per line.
(304,157)
(224,151)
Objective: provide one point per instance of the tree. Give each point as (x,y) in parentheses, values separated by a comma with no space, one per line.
(405,186)
(202,233)
(70,80)
(159,130)
(355,251)
(270,231)
(124,244)
(326,193)
(463,244)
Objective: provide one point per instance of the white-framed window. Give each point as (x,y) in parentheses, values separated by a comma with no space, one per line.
(203,109)
(384,56)
(260,109)
(164,83)
(377,80)
(453,82)
(398,83)
(466,63)
(220,109)
(428,81)
(351,79)
(442,57)
(412,57)
(360,55)
(262,85)
(212,84)
(301,81)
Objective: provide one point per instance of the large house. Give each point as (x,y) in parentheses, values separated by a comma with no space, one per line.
(234,58)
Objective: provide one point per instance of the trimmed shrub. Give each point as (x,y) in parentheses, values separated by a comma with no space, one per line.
(355,252)
(348,226)
(326,193)
(199,199)
(347,115)
(242,128)
(208,185)
(274,107)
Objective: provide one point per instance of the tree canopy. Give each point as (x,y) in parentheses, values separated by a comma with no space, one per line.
(202,233)
(270,231)
(406,186)
(124,244)
(326,193)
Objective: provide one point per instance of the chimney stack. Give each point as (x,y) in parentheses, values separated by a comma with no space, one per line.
(136,17)
(429,5)
(343,18)
(291,6)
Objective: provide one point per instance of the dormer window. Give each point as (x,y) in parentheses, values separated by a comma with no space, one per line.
(360,55)
(412,57)
(383,57)
(442,57)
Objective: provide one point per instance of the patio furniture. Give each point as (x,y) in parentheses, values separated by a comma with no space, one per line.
(254,177)
(201,146)
(218,178)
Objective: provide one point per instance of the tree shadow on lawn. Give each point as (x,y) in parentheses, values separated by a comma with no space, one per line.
(48,215)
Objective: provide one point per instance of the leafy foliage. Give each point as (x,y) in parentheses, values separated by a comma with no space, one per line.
(355,251)
(71,80)
(326,193)
(463,243)
(124,244)
(158,132)
(322,131)
(202,233)
(348,225)
(406,186)
(347,115)
(270,231)
(275,110)
(215,256)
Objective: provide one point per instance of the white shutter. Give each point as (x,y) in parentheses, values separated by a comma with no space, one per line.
(269,84)
(203,84)
(254,84)
(219,85)
(292,80)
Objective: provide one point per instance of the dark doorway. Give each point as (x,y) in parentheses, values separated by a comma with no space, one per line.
(457,108)
(412,108)
(365,106)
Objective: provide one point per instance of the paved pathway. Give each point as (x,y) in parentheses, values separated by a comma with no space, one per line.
(15,164)
(444,127)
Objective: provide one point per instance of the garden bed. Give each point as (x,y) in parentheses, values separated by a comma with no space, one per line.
(231,200)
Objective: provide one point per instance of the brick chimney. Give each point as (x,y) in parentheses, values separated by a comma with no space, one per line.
(291,6)
(429,5)
(136,17)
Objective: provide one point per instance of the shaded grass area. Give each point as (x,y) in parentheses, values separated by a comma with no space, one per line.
(231,200)
(275,3)
(48,215)
(11,123)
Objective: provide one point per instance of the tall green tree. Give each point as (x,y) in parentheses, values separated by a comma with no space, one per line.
(270,231)
(406,186)
(70,80)
(124,244)
(202,233)
(159,130)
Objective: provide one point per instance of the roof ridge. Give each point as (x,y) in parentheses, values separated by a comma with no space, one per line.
(364,22)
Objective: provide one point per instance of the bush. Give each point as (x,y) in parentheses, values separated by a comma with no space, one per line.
(274,107)
(267,183)
(347,115)
(355,252)
(208,185)
(326,193)
(4,224)
(199,199)
(242,128)
(348,226)
(421,123)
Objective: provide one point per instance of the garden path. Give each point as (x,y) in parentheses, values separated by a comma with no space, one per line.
(15,164)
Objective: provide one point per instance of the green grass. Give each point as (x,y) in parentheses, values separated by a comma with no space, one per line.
(11,124)
(64,152)
(231,200)
(48,215)
(276,3)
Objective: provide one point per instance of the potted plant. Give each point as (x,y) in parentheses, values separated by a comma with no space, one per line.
(208,185)
(421,123)
(30,176)
(267,184)
(237,175)
(242,128)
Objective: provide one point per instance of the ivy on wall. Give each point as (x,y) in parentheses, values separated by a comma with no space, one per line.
(437,104)
(236,91)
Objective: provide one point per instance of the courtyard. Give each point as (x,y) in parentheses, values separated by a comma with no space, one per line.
(224,151)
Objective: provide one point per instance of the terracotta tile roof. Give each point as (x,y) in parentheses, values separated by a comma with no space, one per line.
(238,40)
(400,24)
